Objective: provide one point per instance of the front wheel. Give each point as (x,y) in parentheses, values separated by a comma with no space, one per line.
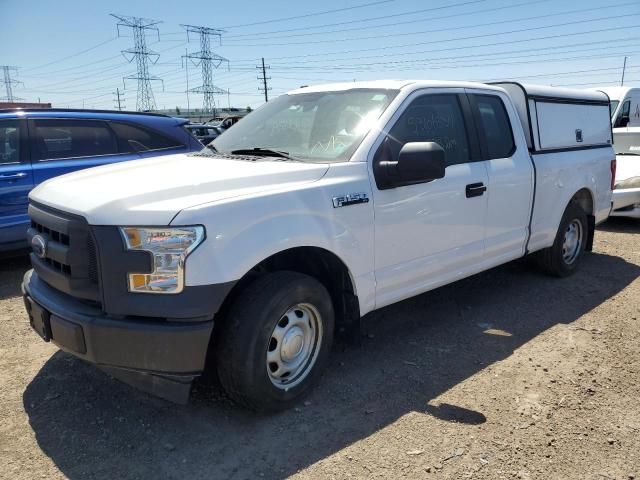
(275,341)
(563,257)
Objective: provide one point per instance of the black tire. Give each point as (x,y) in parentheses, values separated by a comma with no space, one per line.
(552,260)
(246,334)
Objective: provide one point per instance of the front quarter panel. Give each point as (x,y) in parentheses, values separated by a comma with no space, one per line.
(243,231)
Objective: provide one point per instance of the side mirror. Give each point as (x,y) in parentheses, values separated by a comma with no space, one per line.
(418,162)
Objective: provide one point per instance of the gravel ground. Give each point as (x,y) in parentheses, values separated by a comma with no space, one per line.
(508,374)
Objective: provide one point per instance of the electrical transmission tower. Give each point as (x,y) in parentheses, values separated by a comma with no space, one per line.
(142,55)
(263,78)
(9,83)
(207,60)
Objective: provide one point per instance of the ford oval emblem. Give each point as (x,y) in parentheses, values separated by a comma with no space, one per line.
(39,246)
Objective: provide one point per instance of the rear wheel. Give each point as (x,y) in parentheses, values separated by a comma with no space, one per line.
(563,257)
(275,341)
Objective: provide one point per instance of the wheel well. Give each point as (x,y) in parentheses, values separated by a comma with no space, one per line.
(584,198)
(325,267)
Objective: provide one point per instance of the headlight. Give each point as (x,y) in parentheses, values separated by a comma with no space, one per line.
(169,247)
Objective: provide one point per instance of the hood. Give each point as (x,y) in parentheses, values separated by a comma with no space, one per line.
(627,171)
(153,191)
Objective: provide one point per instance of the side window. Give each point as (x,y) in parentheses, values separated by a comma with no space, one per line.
(139,139)
(55,139)
(623,117)
(495,124)
(433,118)
(9,141)
(626,107)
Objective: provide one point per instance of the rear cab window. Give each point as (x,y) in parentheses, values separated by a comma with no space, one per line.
(494,126)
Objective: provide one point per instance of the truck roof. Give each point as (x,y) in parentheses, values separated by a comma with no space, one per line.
(388,84)
(532,90)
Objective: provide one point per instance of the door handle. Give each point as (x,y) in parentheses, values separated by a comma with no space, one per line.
(475,189)
(13,176)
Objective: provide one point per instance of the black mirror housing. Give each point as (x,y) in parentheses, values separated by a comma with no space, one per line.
(420,162)
(417,162)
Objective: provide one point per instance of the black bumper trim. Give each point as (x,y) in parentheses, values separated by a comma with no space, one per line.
(144,353)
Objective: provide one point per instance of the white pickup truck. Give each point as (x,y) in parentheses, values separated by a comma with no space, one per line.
(323,205)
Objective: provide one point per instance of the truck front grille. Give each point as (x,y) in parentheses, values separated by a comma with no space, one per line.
(68,261)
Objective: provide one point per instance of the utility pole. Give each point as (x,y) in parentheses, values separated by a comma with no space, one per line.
(264,79)
(624,67)
(9,83)
(142,55)
(186,73)
(117,94)
(207,60)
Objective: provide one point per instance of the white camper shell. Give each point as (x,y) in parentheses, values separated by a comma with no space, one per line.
(561,118)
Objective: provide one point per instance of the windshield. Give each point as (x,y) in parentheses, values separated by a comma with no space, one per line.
(612,107)
(320,126)
(626,143)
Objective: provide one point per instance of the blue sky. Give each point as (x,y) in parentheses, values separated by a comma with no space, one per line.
(68,51)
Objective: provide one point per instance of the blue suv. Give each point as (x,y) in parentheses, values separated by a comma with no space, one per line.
(36,145)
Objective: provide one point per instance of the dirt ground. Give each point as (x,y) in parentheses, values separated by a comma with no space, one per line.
(508,374)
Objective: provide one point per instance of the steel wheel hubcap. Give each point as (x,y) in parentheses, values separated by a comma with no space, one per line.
(294,346)
(572,242)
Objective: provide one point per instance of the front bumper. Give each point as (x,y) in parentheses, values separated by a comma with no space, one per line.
(626,203)
(157,356)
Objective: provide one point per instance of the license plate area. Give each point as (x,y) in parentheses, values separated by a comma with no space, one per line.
(39,318)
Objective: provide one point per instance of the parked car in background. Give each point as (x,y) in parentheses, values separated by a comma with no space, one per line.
(36,145)
(324,204)
(626,193)
(625,105)
(204,133)
(224,122)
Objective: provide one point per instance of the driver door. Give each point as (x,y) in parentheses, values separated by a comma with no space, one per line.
(429,234)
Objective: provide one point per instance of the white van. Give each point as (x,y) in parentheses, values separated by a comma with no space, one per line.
(625,105)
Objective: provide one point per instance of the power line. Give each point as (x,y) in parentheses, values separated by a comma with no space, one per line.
(435,62)
(448,28)
(73,55)
(383,17)
(447,49)
(472,37)
(530,52)
(208,61)
(141,54)
(9,82)
(315,14)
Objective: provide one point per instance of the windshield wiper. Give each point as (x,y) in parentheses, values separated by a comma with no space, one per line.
(628,153)
(263,152)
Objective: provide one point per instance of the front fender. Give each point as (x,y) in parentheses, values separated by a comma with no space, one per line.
(242,232)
